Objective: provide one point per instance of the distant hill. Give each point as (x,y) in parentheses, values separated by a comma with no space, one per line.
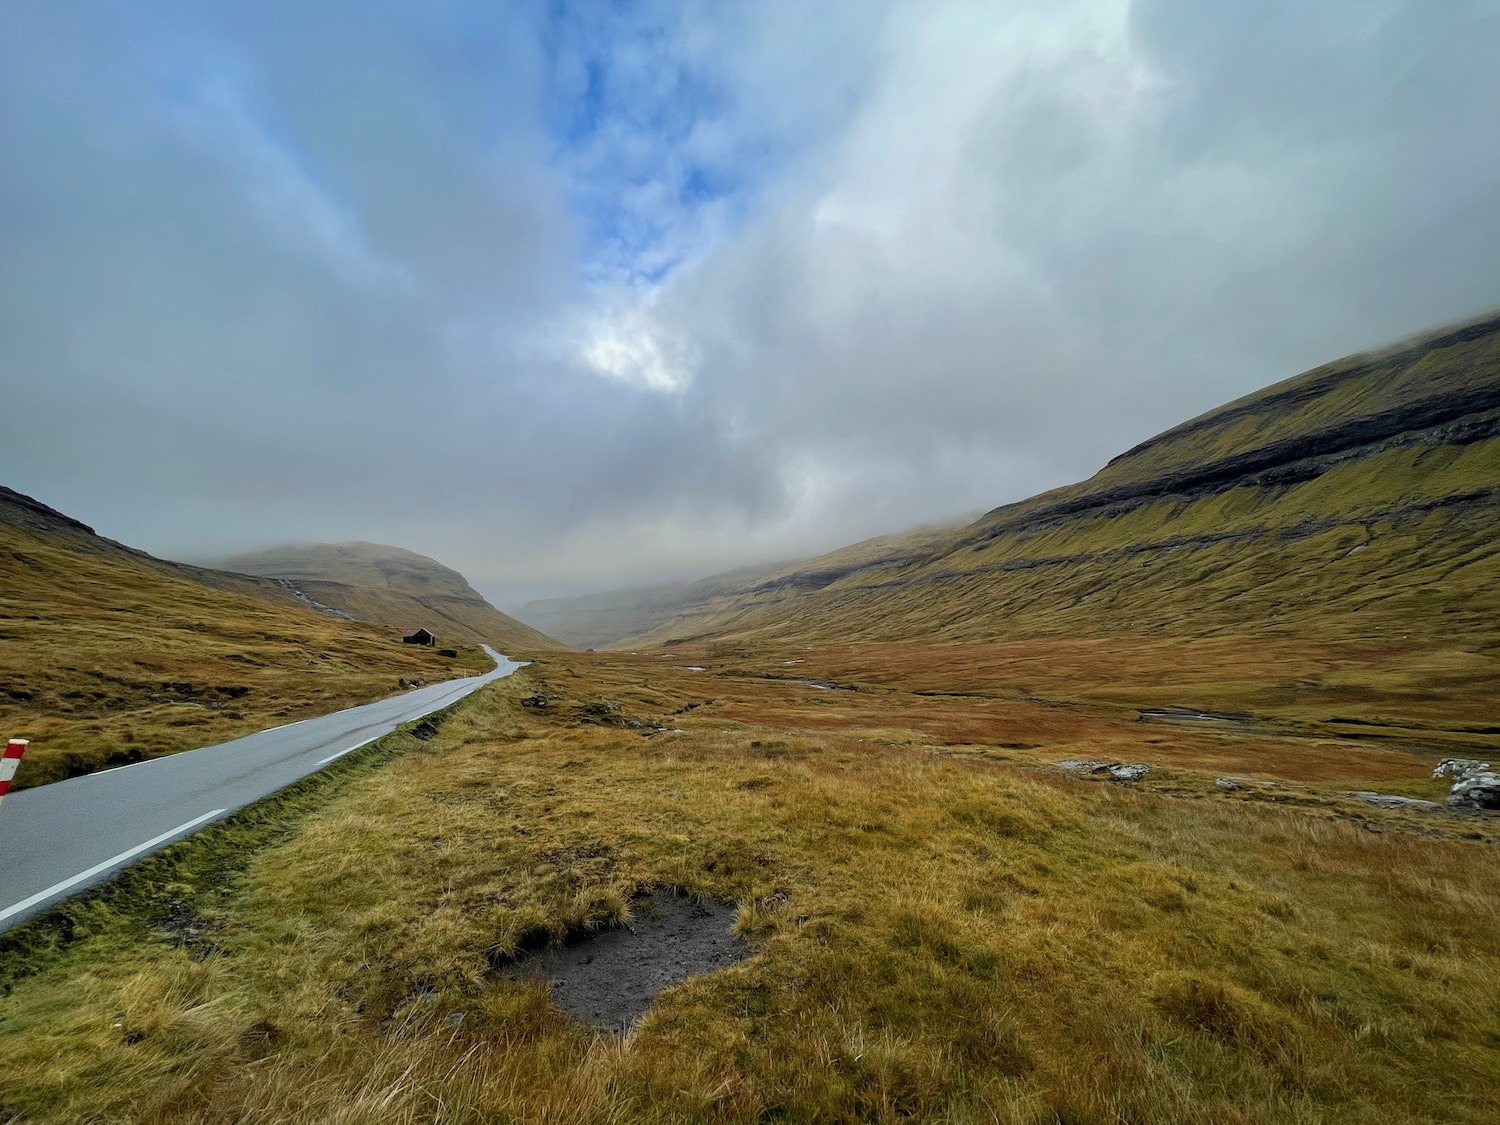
(391,586)
(109,655)
(623,616)
(1359,499)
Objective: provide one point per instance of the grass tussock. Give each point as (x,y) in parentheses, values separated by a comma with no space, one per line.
(938,937)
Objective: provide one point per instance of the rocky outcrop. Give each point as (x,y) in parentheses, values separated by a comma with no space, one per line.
(1475,784)
(1454,419)
(1114,771)
(1476,791)
(1392,801)
(1459,768)
(24,511)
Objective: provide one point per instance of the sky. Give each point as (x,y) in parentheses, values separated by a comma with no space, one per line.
(581,296)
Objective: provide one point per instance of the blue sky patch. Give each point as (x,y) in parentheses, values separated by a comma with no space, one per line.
(651,142)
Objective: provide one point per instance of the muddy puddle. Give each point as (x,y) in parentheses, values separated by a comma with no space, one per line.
(611,978)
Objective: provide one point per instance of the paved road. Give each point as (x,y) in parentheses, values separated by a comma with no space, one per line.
(58,839)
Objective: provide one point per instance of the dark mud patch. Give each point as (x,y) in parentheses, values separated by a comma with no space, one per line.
(188,928)
(610,978)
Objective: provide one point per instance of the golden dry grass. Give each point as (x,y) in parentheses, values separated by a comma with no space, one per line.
(965,938)
(106,660)
(396,587)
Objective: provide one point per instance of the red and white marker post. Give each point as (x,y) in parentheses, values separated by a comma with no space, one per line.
(13,751)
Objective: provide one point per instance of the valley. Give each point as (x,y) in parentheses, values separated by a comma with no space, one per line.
(1357,501)
(914,562)
(1117,804)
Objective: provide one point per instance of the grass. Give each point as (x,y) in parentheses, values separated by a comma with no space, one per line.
(968,934)
(105,660)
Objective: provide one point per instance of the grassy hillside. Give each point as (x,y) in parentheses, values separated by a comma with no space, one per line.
(391,586)
(1359,500)
(109,656)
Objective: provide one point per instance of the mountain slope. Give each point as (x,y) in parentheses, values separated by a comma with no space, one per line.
(1359,499)
(392,586)
(621,617)
(109,655)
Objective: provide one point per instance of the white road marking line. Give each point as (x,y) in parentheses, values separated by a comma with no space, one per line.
(289,726)
(126,766)
(42,896)
(352,749)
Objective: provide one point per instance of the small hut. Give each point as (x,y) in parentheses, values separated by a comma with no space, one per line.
(418,637)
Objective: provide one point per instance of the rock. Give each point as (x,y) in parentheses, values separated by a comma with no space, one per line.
(1476,791)
(1233,781)
(1459,768)
(534,701)
(1391,801)
(1116,771)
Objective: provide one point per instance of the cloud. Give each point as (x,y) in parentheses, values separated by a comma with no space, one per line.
(295,208)
(1051,232)
(628,345)
(575,294)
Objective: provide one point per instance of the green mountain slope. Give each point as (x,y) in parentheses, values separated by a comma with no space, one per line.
(391,586)
(1359,499)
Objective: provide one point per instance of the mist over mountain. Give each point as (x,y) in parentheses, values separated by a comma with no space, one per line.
(1337,503)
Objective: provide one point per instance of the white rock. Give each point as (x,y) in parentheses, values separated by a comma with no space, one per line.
(1391,801)
(1475,791)
(1115,770)
(1459,768)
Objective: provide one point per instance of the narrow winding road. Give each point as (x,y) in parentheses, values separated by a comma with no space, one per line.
(58,839)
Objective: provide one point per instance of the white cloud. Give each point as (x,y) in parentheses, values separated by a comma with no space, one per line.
(629,346)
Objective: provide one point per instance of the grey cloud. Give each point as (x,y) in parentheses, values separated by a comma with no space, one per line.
(1126,237)
(211,371)
(277,272)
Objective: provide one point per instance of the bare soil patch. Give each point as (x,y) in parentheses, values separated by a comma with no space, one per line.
(610,978)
